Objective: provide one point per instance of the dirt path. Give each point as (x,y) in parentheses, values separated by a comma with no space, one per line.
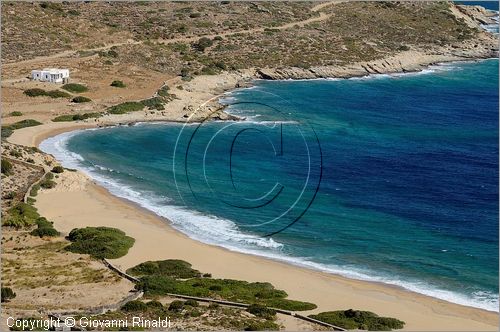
(322,16)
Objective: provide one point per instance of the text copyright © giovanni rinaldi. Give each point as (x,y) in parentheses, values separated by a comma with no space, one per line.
(87,323)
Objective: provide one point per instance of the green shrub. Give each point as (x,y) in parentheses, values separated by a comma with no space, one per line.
(57,94)
(75,87)
(34,190)
(192,303)
(35,92)
(153,103)
(207,70)
(202,44)
(176,306)
(7,130)
(6,167)
(266,325)
(163,91)
(15,153)
(135,305)
(171,267)
(262,311)
(228,289)
(118,84)
(154,304)
(73,12)
(126,107)
(100,242)
(16,113)
(9,195)
(57,169)
(7,294)
(44,228)
(194,15)
(47,183)
(355,319)
(76,117)
(21,215)
(80,99)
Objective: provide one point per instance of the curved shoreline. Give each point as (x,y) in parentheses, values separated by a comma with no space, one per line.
(381,298)
(165,213)
(156,239)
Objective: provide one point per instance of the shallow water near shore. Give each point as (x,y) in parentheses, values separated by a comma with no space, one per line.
(408,190)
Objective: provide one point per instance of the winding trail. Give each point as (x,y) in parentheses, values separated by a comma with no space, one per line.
(316,9)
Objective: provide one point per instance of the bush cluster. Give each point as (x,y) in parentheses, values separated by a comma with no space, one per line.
(175,268)
(36,92)
(80,99)
(47,182)
(228,289)
(126,107)
(6,167)
(118,84)
(76,117)
(262,311)
(16,113)
(57,169)
(202,44)
(100,242)
(356,319)
(21,215)
(7,130)
(7,294)
(75,87)
(44,228)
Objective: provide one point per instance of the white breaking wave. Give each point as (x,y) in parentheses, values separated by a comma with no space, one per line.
(225,233)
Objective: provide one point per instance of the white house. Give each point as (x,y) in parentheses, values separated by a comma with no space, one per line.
(53,75)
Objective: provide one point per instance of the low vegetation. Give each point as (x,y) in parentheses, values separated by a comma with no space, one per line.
(100,242)
(118,84)
(76,117)
(75,87)
(21,215)
(154,103)
(356,319)
(126,107)
(44,228)
(232,290)
(7,130)
(188,315)
(6,167)
(7,294)
(174,268)
(16,113)
(57,169)
(36,92)
(47,182)
(80,99)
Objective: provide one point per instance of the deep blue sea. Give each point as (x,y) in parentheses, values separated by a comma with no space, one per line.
(390,178)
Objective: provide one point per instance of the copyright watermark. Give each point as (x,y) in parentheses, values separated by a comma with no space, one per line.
(87,323)
(265,173)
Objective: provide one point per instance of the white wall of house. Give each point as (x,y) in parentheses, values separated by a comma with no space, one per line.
(52,75)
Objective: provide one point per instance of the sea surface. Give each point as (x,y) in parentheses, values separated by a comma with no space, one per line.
(389,178)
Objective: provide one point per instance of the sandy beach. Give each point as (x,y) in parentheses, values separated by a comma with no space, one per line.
(78,202)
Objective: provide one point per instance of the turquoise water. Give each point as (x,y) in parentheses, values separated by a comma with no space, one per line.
(384,178)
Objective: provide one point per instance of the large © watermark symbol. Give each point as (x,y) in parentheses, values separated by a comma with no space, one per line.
(225,162)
